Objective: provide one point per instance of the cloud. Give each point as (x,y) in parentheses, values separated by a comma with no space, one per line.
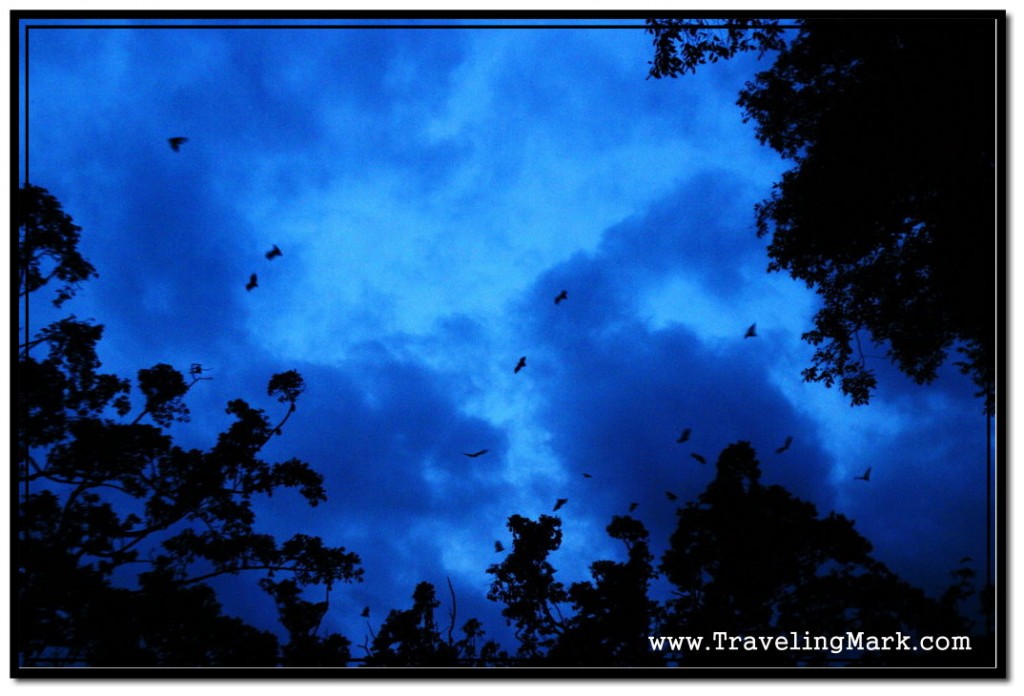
(617,391)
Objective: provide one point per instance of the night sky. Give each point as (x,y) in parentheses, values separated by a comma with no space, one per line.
(432,191)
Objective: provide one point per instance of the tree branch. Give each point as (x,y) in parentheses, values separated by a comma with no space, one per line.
(451,614)
(234,571)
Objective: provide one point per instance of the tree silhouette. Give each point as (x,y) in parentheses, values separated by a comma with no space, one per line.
(889,211)
(163,623)
(301,619)
(613,614)
(104,493)
(524,582)
(745,559)
(754,560)
(681,45)
(413,638)
(48,246)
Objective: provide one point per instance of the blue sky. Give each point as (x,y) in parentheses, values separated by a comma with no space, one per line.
(432,191)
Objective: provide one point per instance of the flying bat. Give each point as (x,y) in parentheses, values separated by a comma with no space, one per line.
(685,435)
(176,142)
(586,475)
(671,496)
(498,547)
(476,454)
(752,331)
(866,476)
(365,612)
(252,282)
(273,253)
(562,296)
(699,458)
(521,365)
(785,445)
(559,503)
(966,559)
(633,506)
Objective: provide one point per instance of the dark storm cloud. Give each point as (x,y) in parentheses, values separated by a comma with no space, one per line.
(924,508)
(622,404)
(162,232)
(704,231)
(377,426)
(389,439)
(616,393)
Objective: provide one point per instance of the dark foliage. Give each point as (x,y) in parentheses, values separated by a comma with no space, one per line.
(889,211)
(48,245)
(414,638)
(681,45)
(101,495)
(746,560)
(302,619)
(754,560)
(613,614)
(525,583)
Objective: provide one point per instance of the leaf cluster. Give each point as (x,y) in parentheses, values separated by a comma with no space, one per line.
(682,45)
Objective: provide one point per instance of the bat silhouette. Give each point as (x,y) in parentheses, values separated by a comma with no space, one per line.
(685,435)
(252,282)
(785,445)
(586,475)
(198,369)
(562,296)
(966,559)
(633,506)
(476,454)
(521,365)
(671,496)
(559,503)
(365,612)
(699,458)
(752,331)
(273,252)
(498,547)
(176,142)
(866,476)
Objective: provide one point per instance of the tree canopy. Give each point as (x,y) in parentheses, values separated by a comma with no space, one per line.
(754,560)
(105,491)
(681,45)
(889,211)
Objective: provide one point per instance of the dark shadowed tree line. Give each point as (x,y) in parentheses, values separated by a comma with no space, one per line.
(120,532)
